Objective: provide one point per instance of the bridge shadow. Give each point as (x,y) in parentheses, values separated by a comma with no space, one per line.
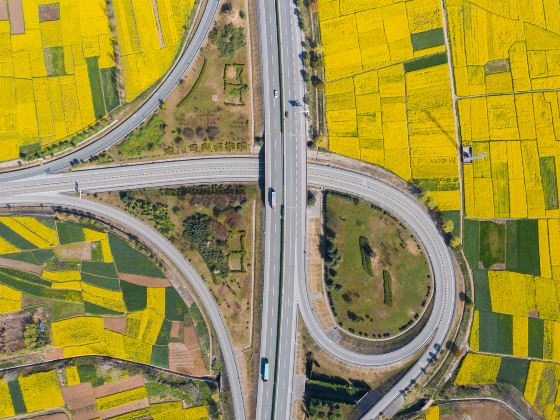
(261,180)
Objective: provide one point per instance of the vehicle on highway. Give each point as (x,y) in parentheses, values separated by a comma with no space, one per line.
(264,369)
(275,93)
(285,114)
(272,198)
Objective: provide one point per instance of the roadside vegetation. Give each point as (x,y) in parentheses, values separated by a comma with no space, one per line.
(213,227)
(377,276)
(210,110)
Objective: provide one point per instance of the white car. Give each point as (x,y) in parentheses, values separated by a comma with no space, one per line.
(275,93)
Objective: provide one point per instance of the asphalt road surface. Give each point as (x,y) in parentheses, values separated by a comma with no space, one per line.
(273,181)
(151,104)
(295,201)
(218,170)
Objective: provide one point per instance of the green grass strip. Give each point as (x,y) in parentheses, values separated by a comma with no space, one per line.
(425,62)
(528,247)
(15,239)
(482,300)
(505,333)
(427,39)
(69,233)
(110,92)
(549,182)
(99,281)
(488,332)
(536,337)
(471,242)
(95,85)
(135,297)
(99,269)
(17,397)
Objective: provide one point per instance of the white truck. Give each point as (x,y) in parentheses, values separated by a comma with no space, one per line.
(272,198)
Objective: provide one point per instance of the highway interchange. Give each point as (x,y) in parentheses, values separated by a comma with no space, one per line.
(287,172)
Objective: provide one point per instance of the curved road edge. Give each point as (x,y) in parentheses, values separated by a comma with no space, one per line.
(154,239)
(227,169)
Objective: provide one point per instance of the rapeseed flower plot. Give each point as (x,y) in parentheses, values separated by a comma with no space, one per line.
(41,391)
(382,106)
(478,369)
(57,75)
(6,405)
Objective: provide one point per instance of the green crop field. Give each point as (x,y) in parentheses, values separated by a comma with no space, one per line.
(514,372)
(492,244)
(135,297)
(69,233)
(130,261)
(377,275)
(481,291)
(536,337)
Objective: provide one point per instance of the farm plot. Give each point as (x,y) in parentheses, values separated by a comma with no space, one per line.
(62,67)
(516,156)
(538,381)
(100,296)
(86,391)
(388,90)
(506,46)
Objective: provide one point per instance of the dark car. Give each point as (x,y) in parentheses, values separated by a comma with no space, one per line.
(285,114)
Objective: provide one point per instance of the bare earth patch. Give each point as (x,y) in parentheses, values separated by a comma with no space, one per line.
(476,410)
(21,266)
(78,251)
(78,396)
(17,24)
(144,280)
(175,329)
(119,386)
(115,324)
(123,409)
(49,12)
(4,10)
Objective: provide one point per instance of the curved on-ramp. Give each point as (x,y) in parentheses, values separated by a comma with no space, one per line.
(155,240)
(244,169)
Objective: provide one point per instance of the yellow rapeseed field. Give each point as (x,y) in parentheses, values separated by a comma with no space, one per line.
(58,75)
(381,106)
(120,398)
(61,276)
(10,299)
(31,230)
(146,54)
(475,331)
(478,369)
(518,294)
(77,331)
(432,413)
(6,406)
(72,376)
(533,379)
(6,247)
(103,238)
(105,298)
(41,391)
